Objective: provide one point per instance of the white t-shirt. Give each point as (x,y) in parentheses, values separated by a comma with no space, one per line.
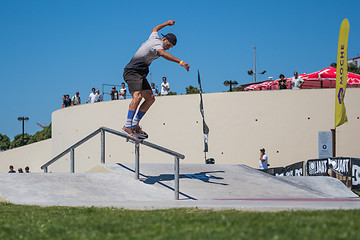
(92,97)
(154,90)
(76,100)
(122,96)
(296,82)
(147,53)
(263,165)
(99,97)
(163,90)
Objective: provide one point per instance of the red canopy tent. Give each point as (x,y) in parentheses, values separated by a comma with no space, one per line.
(325,78)
(251,87)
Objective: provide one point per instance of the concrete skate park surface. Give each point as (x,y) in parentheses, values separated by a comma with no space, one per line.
(202,186)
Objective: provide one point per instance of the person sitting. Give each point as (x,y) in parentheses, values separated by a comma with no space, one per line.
(11,168)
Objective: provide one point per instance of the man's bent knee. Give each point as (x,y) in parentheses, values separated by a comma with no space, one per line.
(137,96)
(149,97)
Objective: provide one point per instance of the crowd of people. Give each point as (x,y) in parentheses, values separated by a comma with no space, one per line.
(11,169)
(96,96)
(67,102)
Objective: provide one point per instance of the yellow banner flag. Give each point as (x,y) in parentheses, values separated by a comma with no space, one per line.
(341,74)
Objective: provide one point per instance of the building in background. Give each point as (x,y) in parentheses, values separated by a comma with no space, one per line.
(355,61)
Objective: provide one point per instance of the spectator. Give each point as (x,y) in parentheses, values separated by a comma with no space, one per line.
(63,101)
(27,169)
(99,96)
(282,83)
(122,91)
(66,101)
(76,99)
(296,81)
(92,96)
(11,168)
(165,87)
(154,90)
(114,93)
(20,170)
(263,162)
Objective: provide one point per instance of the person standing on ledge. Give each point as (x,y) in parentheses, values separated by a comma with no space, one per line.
(297,81)
(135,73)
(165,87)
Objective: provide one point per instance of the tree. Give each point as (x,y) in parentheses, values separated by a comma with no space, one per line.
(192,90)
(28,139)
(4,142)
(233,89)
(17,142)
(353,68)
(41,135)
(172,93)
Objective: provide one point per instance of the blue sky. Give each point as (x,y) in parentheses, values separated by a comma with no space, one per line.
(50,48)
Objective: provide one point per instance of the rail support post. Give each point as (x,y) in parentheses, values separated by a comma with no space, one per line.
(102,146)
(72,161)
(177,175)
(137,161)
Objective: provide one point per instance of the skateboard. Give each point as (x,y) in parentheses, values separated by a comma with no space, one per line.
(131,139)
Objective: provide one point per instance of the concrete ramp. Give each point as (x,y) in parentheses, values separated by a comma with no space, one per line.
(215,181)
(205,186)
(329,186)
(79,189)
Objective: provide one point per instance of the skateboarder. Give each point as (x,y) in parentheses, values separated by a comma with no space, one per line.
(135,74)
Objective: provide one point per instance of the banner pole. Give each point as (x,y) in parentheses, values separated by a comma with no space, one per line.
(333,133)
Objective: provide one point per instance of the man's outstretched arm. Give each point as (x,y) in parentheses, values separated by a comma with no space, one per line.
(170,57)
(161,26)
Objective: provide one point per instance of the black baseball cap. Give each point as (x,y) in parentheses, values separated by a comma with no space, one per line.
(171,38)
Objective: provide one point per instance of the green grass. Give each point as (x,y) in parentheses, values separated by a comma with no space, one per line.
(33,222)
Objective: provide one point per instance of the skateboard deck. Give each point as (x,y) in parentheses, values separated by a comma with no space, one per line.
(131,139)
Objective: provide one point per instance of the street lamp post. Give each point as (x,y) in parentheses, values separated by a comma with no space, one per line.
(23,119)
(230,83)
(251,72)
(254,73)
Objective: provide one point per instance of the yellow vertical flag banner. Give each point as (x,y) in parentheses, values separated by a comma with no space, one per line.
(341,74)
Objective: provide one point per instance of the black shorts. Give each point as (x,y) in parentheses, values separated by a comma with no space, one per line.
(136,79)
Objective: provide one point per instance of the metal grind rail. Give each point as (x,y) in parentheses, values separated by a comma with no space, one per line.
(137,143)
